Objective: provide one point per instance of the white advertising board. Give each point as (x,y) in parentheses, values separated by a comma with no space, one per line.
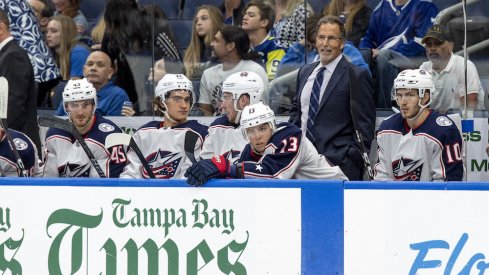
(416,232)
(136,230)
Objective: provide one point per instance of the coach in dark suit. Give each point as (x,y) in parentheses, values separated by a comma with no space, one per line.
(327,92)
(16,67)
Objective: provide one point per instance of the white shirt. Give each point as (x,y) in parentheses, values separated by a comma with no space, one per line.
(450,84)
(307,90)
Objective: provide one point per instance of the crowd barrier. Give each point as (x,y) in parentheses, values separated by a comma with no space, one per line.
(282,227)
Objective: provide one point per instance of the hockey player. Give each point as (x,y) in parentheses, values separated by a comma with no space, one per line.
(239,90)
(27,152)
(274,151)
(418,144)
(64,157)
(163,142)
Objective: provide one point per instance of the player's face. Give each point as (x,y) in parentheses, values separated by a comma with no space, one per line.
(227,106)
(53,34)
(203,23)
(218,45)
(80,112)
(329,42)
(259,136)
(97,69)
(178,105)
(252,20)
(437,51)
(408,100)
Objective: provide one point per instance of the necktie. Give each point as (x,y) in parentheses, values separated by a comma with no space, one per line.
(314,104)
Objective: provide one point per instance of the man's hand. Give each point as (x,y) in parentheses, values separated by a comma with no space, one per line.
(204,170)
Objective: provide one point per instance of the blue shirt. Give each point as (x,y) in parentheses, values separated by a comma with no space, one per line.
(109,101)
(78,57)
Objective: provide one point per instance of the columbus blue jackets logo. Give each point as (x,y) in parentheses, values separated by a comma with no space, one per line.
(407,169)
(232,155)
(104,127)
(70,170)
(164,164)
(20,144)
(443,121)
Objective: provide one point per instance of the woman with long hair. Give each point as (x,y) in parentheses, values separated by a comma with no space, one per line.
(207,21)
(69,53)
(355,14)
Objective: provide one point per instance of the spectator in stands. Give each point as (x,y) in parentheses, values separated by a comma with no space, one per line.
(355,14)
(110,98)
(418,144)
(208,20)
(69,52)
(290,18)
(128,33)
(26,32)
(43,10)
(71,8)
(447,71)
(231,45)
(16,67)
(393,36)
(333,99)
(232,11)
(257,22)
(97,34)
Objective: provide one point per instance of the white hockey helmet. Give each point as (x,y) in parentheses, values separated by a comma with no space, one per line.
(244,83)
(171,82)
(415,79)
(77,90)
(256,114)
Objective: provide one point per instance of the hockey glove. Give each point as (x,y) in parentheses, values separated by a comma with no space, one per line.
(204,170)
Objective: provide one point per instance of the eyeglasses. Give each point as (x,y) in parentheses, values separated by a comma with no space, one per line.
(258,130)
(329,38)
(179,99)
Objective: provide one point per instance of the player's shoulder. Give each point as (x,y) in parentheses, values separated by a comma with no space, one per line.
(221,121)
(57,132)
(439,126)
(103,127)
(150,125)
(394,122)
(21,140)
(285,130)
(196,126)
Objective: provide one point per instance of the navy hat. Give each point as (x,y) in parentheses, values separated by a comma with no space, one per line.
(437,32)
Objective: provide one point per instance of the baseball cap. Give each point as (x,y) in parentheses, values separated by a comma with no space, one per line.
(437,32)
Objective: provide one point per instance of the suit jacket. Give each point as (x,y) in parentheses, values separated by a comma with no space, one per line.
(16,66)
(334,131)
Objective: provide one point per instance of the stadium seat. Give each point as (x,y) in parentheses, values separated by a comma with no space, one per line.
(182,28)
(189,6)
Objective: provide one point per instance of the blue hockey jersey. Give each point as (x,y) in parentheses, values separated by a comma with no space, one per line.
(400,28)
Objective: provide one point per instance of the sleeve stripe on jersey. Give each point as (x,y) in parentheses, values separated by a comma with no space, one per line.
(58,136)
(432,138)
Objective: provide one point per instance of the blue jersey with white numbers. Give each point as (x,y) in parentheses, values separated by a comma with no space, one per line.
(270,54)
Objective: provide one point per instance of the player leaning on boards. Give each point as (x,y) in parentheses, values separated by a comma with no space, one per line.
(238,90)
(162,143)
(274,151)
(64,156)
(418,144)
